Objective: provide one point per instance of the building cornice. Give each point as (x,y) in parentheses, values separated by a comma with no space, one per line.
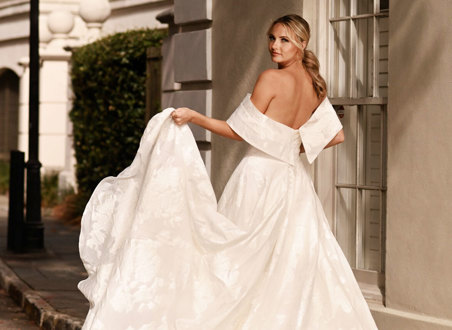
(12,3)
(117,5)
(12,8)
(14,39)
(9,9)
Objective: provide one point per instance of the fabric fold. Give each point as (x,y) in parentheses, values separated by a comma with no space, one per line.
(161,253)
(277,140)
(319,130)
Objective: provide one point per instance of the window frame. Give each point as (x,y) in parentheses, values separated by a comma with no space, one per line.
(371,281)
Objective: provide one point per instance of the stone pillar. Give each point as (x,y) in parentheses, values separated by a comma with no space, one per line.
(55,141)
(23,106)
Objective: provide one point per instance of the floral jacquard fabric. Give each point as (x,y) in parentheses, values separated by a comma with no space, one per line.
(161,253)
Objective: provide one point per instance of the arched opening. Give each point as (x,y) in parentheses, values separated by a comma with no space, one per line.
(9,112)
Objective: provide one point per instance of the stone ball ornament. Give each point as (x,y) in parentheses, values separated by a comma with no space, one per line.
(44,33)
(60,22)
(94,11)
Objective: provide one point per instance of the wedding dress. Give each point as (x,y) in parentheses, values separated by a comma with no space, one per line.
(162,254)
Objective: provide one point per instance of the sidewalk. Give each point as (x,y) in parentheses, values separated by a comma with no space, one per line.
(45,284)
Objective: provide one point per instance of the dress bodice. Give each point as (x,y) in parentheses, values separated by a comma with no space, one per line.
(282,141)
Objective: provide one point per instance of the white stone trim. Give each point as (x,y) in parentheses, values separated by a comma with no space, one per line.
(209,53)
(393,318)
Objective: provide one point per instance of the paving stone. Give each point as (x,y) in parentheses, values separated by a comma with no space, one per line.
(12,316)
(45,283)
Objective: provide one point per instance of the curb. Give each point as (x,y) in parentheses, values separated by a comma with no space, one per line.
(36,308)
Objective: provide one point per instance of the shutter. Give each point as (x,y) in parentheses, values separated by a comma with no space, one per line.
(371,198)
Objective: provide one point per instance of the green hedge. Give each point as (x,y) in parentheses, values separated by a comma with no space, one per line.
(108,81)
(4,177)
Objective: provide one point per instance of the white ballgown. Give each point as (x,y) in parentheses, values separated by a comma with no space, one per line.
(162,254)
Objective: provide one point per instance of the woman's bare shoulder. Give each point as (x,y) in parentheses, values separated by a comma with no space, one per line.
(269,76)
(266,88)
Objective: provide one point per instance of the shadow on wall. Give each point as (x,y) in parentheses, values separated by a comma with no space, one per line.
(413,62)
(419,161)
(240,44)
(239,52)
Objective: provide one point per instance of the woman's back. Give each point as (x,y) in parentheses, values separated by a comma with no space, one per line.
(293,97)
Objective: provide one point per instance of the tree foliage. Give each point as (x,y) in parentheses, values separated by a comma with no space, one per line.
(108,82)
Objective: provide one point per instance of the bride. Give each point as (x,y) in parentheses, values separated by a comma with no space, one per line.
(162,254)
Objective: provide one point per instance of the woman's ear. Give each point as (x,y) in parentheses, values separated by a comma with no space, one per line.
(303,45)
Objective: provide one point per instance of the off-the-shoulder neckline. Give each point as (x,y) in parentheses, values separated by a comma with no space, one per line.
(248,97)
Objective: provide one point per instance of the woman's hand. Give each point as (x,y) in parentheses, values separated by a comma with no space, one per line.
(182,115)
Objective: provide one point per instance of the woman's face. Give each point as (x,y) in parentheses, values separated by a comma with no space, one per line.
(282,50)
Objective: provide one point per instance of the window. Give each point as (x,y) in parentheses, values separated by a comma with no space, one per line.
(358,62)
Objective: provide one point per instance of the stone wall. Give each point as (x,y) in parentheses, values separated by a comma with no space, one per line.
(419,226)
(187,64)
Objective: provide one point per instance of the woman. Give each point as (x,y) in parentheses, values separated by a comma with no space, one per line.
(160,252)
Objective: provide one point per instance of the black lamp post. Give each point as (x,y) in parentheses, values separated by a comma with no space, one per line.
(34,229)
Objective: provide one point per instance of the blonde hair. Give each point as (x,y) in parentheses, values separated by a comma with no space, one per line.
(300,28)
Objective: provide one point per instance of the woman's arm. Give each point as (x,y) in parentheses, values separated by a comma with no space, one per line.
(339,138)
(263,93)
(220,127)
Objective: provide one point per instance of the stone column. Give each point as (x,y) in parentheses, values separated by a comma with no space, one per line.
(55,142)
(23,105)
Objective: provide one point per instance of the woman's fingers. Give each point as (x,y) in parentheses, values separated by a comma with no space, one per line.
(175,117)
(180,116)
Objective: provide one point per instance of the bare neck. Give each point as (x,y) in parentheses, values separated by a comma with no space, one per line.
(293,66)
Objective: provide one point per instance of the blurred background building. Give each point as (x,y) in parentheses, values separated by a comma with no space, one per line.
(63,23)
(386,190)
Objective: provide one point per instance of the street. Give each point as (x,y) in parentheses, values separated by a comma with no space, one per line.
(11,316)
